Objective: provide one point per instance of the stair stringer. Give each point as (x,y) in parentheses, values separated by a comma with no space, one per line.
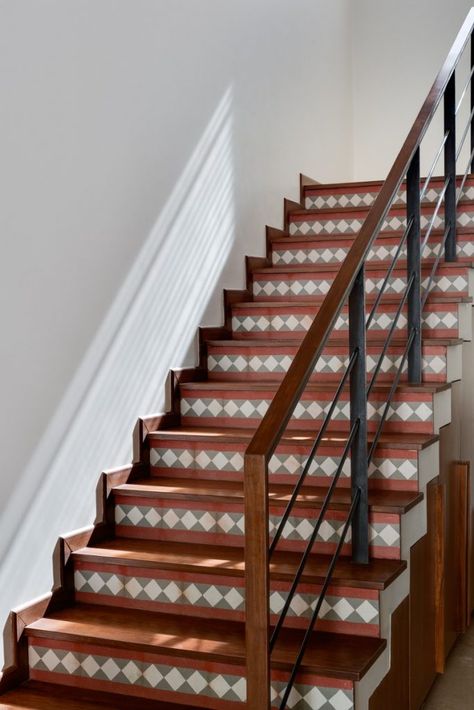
(413,528)
(15,669)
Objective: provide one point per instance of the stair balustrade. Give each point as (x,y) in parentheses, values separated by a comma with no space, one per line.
(348,287)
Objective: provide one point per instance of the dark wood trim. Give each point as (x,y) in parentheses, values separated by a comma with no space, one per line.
(143,426)
(206,334)
(232,296)
(438,513)
(252,263)
(305,182)
(393,691)
(290,206)
(461,500)
(257,584)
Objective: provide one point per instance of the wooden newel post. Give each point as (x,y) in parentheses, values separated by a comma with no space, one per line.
(257,585)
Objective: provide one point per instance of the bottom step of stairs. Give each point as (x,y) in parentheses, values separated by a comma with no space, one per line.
(48,696)
(198,662)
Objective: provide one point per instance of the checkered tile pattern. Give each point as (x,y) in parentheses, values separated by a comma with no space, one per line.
(316,698)
(179,679)
(384,251)
(292,464)
(326,200)
(305,409)
(285,323)
(340,608)
(275,288)
(232,523)
(348,225)
(174,518)
(327,364)
(134,672)
(348,199)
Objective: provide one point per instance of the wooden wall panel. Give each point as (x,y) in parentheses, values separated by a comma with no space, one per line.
(393,692)
(426,583)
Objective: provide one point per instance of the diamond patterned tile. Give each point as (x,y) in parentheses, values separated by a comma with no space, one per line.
(184,680)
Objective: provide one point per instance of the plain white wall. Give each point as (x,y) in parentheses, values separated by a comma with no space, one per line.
(397,50)
(144,147)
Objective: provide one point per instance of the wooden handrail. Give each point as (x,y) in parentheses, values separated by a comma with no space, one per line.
(287,397)
(273,424)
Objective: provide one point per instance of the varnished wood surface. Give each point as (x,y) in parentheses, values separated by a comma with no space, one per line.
(380,501)
(393,691)
(335,655)
(407,440)
(423,603)
(220,560)
(315,387)
(46,696)
(333,268)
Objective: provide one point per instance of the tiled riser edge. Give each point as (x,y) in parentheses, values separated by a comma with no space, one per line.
(327,199)
(327,253)
(329,365)
(205,684)
(350,224)
(389,469)
(439,320)
(223,524)
(408,413)
(344,610)
(454,284)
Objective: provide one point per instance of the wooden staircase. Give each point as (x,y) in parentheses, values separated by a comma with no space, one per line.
(152,607)
(148,608)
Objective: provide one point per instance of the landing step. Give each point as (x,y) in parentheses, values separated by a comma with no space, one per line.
(229,561)
(331,655)
(380,501)
(34,695)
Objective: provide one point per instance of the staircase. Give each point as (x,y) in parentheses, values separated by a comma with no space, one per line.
(148,608)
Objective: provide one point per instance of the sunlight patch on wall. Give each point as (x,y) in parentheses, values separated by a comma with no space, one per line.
(148,330)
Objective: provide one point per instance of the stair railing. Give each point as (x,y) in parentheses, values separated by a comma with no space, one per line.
(348,287)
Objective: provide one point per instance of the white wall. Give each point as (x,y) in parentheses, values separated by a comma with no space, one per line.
(397,50)
(144,145)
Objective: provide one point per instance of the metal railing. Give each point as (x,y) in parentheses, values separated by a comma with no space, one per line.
(348,287)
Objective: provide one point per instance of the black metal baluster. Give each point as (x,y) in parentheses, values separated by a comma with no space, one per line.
(450,167)
(414,267)
(358,406)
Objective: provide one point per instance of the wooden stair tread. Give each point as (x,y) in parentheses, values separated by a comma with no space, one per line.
(336,655)
(284,237)
(372,339)
(370,265)
(310,496)
(395,440)
(34,695)
(232,385)
(370,298)
(350,209)
(223,560)
(352,186)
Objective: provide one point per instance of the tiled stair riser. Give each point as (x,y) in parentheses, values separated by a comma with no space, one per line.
(350,222)
(361,195)
(321,250)
(222,523)
(345,609)
(296,285)
(409,411)
(239,362)
(210,684)
(390,469)
(292,321)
